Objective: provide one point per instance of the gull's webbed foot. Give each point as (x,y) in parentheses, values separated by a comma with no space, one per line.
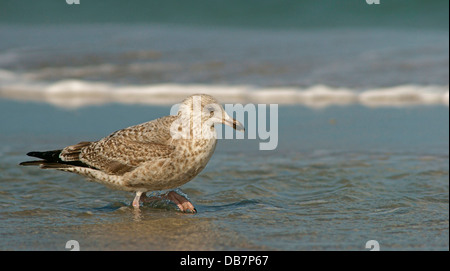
(182,202)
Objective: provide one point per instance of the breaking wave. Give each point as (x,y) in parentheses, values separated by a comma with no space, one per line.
(79,93)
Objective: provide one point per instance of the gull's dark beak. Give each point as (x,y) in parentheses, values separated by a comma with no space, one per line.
(233,123)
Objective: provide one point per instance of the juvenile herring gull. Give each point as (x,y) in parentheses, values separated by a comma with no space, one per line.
(161,154)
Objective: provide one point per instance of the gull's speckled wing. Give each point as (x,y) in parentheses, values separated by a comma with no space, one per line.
(126,149)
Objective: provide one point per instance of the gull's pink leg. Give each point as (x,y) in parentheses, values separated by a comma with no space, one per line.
(137,199)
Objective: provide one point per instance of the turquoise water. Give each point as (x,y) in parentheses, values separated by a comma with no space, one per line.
(235,13)
(370,174)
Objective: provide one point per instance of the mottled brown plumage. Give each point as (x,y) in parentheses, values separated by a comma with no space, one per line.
(161,154)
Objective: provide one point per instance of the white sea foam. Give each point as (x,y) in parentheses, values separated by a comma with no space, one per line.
(78,93)
(405,95)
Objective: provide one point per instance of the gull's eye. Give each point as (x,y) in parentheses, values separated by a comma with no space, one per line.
(210,109)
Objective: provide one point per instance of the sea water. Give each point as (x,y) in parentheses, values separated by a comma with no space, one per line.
(363,135)
(370,174)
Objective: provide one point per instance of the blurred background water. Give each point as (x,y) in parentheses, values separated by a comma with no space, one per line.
(284,14)
(363,121)
(302,52)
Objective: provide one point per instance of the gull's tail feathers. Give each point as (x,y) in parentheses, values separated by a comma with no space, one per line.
(52,159)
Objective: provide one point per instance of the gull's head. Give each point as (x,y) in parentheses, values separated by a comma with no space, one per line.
(209,110)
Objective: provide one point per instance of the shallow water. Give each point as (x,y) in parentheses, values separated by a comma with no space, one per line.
(340,176)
